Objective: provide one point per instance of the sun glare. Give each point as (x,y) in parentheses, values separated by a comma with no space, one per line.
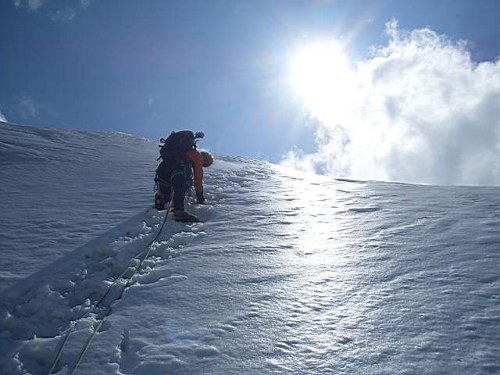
(321,76)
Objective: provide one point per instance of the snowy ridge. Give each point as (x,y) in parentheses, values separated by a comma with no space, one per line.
(289,274)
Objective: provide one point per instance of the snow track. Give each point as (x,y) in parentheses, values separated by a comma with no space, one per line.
(73,287)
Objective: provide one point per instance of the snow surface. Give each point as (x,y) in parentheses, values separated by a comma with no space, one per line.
(289,274)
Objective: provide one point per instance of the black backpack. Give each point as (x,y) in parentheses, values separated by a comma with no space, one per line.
(178,143)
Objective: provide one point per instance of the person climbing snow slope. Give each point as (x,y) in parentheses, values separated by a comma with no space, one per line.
(181,164)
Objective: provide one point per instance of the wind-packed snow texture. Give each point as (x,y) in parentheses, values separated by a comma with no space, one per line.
(289,273)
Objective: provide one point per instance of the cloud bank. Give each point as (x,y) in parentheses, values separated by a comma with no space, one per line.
(420,111)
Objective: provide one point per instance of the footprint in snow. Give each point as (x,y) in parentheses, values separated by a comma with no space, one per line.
(165,276)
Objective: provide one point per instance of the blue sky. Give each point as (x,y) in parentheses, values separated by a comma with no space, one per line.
(147,67)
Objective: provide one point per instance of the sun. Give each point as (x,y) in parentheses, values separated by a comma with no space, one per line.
(321,76)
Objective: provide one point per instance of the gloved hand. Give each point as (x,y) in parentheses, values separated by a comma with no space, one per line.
(200,198)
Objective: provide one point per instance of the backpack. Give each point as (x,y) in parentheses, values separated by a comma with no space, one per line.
(178,143)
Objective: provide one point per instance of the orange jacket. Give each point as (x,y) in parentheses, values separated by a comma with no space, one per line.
(197,159)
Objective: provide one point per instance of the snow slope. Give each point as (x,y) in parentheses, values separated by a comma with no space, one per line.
(289,273)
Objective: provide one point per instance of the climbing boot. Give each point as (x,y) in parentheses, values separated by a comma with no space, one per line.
(184,217)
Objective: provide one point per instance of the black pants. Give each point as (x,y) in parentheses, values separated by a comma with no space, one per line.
(172,178)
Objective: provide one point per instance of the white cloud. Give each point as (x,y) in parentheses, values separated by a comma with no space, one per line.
(55,10)
(422,112)
(33,5)
(27,108)
(2,117)
(66,14)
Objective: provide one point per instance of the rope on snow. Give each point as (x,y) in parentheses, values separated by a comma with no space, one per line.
(147,250)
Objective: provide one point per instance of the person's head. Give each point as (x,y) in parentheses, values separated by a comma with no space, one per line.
(208,159)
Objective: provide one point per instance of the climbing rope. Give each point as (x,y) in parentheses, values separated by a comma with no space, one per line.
(146,250)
